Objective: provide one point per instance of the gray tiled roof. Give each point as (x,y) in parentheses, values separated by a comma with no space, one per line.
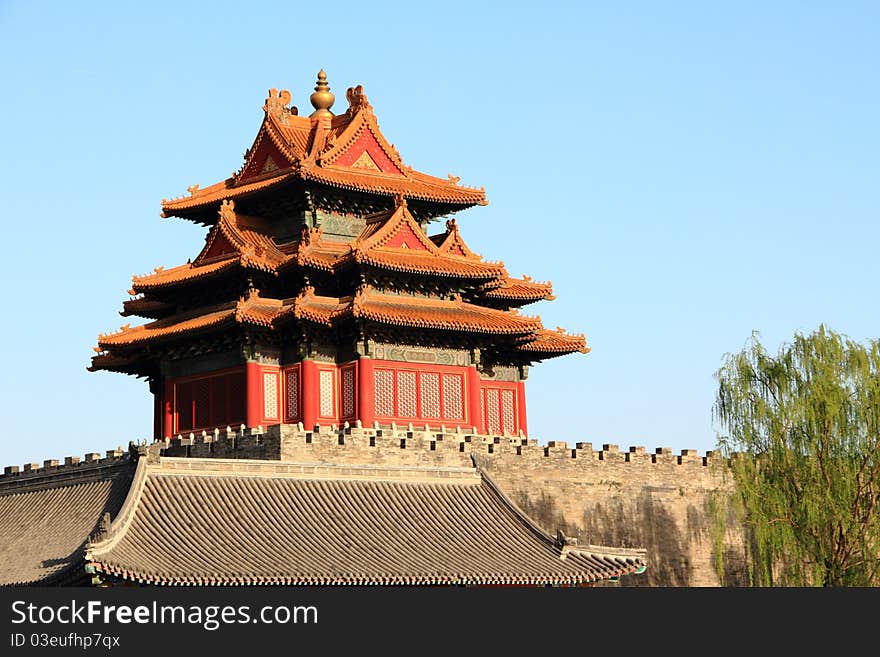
(216,521)
(46,519)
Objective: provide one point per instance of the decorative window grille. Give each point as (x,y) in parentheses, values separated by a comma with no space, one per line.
(430,387)
(325,378)
(453,406)
(291,382)
(384,392)
(493,420)
(184,403)
(210,401)
(236,383)
(406,394)
(507,414)
(348,392)
(270,395)
(202,396)
(219,402)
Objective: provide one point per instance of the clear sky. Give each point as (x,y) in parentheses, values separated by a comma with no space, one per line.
(685,173)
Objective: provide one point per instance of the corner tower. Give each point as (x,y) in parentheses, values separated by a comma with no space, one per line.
(321,297)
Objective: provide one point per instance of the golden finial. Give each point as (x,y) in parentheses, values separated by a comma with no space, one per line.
(322,99)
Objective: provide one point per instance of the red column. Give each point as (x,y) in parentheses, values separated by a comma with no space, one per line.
(311,395)
(253,385)
(521,406)
(475,416)
(168,410)
(365,391)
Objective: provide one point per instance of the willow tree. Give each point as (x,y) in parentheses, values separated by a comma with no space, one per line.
(803,439)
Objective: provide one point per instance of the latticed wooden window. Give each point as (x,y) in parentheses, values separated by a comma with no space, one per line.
(202,402)
(291,396)
(406,394)
(430,389)
(493,414)
(453,399)
(384,392)
(184,404)
(236,388)
(208,402)
(270,395)
(347,375)
(508,419)
(325,378)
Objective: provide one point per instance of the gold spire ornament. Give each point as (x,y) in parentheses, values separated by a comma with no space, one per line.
(322,99)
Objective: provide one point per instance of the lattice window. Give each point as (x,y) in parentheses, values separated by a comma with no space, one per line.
(508,416)
(406,394)
(211,401)
(325,378)
(291,381)
(384,392)
(236,398)
(493,421)
(184,401)
(348,392)
(202,397)
(430,384)
(270,395)
(453,406)
(218,401)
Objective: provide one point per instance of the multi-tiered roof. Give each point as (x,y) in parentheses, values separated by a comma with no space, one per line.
(321,237)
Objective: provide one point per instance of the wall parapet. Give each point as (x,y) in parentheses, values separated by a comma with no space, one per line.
(72,470)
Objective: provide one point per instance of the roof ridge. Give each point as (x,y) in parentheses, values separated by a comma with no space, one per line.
(312,470)
(106,540)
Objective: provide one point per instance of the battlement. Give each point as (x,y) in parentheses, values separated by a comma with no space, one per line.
(410,444)
(391,444)
(73,470)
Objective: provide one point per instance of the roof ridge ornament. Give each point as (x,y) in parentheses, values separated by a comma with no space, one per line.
(399,201)
(227,210)
(322,100)
(276,105)
(357,100)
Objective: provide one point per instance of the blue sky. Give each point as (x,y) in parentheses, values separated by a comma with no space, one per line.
(684,173)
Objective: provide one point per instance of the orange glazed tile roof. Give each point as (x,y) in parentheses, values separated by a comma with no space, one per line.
(556,342)
(410,312)
(290,147)
(254,310)
(281,523)
(181,274)
(250,245)
(396,242)
(317,309)
(519,289)
(454,315)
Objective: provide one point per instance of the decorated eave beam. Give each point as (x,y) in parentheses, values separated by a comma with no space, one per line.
(148,308)
(346,154)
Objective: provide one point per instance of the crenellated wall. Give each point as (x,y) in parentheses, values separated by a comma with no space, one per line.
(659,501)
